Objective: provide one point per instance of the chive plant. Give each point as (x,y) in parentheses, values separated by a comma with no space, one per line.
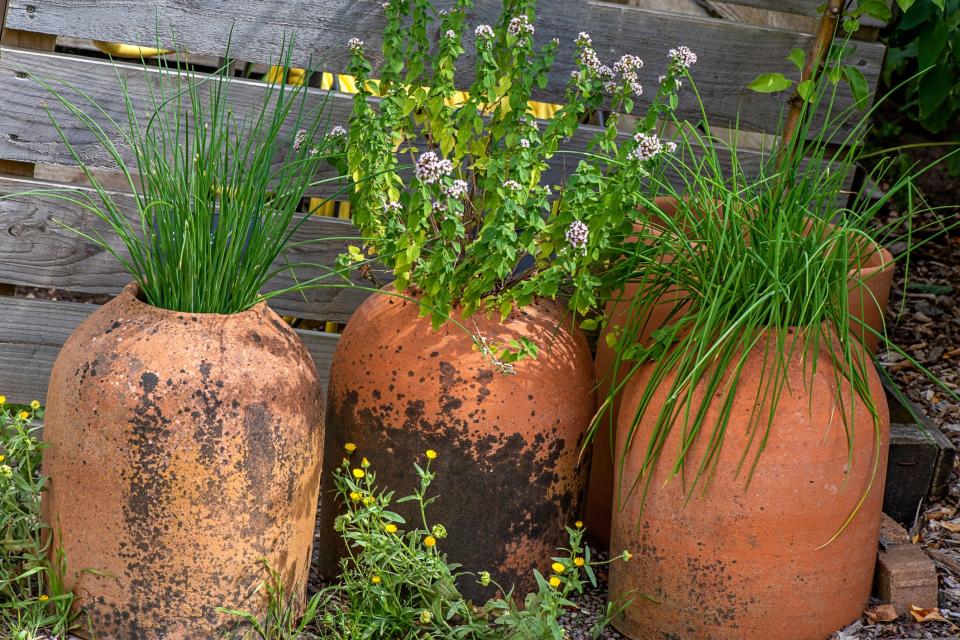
(216,189)
(765,263)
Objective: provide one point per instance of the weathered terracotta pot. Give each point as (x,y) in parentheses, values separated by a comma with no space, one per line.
(749,562)
(508,479)
(183,449)
(869,292)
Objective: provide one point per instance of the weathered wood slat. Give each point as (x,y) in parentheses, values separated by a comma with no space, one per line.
(32,332)
(731,55)
(36,250)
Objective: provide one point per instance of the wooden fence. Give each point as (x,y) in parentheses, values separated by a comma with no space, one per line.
(40,36)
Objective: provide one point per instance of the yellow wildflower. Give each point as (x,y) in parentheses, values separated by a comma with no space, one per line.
(375,579)
(44,597)
(578,524)
(431,454)
(2,457)
(355,496)
(369,500)
(627,555)
(558,567)
(429,541)
(554,581)
(358,473)
(350,447)
(365,463)
(425,617)
(24,415)
(485,578)
(578,561)
(390,528)
(35,405)
(3,400)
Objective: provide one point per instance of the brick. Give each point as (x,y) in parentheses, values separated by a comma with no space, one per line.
(906,576)
(891,532)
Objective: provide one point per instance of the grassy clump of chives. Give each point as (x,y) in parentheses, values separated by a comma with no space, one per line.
(216,185)
(766,262)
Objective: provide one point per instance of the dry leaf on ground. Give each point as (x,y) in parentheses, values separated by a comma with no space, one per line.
(882,613)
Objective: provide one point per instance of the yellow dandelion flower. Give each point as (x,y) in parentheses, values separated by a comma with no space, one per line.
(44,597)
(359,473)
(554,581)
(578,524)
(431,454)
(3,400)
(390,528)
(2,457)
(429,542)
(350,447)
(24,415)
(375,579)
(365,463)
(355,496)
(369,500)
(558,568)
(35,405)
(578,561)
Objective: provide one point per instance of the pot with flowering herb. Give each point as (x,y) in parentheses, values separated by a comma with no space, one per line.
(184,420)
(471,350)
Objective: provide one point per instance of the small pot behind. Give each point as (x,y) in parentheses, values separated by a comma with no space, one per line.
(184,449)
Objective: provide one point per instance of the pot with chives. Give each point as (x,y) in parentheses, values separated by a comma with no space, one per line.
(185,419)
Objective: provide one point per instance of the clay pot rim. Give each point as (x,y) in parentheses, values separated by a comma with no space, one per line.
(879,259)
(131,292)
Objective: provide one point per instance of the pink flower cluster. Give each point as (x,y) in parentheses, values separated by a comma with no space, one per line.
(577,235)
(683,57)
(431,167)
(456,190)
(648,146)
(520,26)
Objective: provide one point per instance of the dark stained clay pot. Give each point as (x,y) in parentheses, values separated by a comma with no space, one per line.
(507,480)
(750,562)
(183,449)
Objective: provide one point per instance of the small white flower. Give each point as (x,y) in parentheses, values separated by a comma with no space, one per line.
(555,42)
(439,207)
(583,39)
(337,132)
(524,143)
(299,139)
(392,207)
(355,44)
(513,185)
(670,146)
(648,145)
(450,34)
(578,234)
(520,26)
(431,167)
(611,87)
(628,64)
(456,190)
(683,57)
(575,75)
(484,31)
(636,88)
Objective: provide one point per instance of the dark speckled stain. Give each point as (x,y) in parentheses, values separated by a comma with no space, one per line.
(493,490)
(146,515)
(209,423)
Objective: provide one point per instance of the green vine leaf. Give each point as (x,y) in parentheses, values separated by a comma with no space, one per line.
(770,83)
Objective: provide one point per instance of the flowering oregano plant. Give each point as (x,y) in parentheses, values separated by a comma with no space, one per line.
(452,190)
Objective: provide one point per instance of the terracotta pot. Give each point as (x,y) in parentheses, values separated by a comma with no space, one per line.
(869,292)
(508,478)
(183,449)
(749,562)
